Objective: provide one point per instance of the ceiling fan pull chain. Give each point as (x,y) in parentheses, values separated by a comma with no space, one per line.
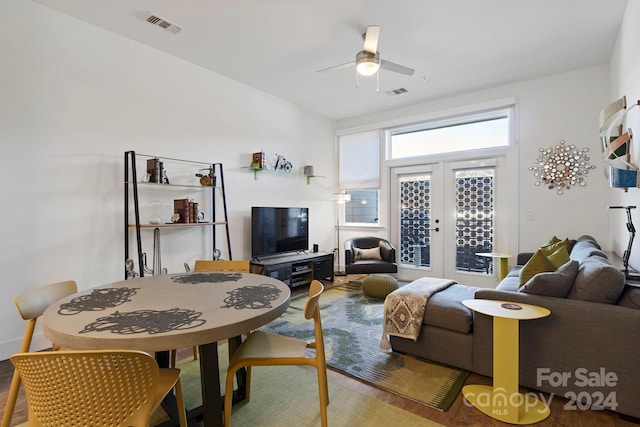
(357,81)
(378,81)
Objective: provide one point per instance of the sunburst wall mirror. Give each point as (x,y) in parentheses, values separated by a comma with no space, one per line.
(562,167)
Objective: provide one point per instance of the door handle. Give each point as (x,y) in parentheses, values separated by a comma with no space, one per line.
(435,229)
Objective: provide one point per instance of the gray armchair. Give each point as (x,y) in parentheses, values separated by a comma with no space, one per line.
(367,255)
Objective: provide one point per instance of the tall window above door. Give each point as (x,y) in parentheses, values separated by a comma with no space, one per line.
(359,175)
(451,136)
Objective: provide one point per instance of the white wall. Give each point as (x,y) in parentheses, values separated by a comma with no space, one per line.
(74,98)
(549,109)
(625,81)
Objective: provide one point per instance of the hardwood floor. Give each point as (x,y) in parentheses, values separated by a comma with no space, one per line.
(460,414)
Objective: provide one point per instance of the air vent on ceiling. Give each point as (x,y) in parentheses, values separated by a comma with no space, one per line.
(395,92)
(164,24)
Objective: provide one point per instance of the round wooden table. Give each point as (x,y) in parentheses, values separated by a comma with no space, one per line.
(160,313)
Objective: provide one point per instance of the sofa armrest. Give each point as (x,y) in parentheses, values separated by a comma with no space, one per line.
(523,257)
(576,335)
(387,251)
(348,256)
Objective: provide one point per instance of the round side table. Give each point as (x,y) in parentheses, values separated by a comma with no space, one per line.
(503,401)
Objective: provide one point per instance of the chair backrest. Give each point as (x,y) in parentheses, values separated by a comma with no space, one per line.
(31,304)
(241,266)
(312,311)
(88,388)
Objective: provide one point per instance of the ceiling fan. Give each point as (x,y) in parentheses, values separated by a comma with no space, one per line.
(368,60)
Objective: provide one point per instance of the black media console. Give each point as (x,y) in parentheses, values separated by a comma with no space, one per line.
(296,269)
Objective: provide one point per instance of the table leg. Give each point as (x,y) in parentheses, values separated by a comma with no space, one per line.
(212,414)
(503,401)
(503,269)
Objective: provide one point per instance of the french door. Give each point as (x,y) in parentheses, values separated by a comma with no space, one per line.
(442,215)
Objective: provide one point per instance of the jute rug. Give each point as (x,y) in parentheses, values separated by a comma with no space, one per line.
(288,396)
(352,326)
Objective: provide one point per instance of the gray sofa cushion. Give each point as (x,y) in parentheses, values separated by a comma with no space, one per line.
(445,309)
(597,281)
(510,283)
(584,249)
(553,284)
(630,297)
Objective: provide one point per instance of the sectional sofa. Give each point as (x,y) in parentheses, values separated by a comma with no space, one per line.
(587,350)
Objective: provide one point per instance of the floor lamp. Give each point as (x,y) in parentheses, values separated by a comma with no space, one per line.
(340,199)
(632,233)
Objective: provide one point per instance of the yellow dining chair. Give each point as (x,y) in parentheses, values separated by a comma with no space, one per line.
(31,304)
(267,349)
(95,387)
(241,266)
(208,265)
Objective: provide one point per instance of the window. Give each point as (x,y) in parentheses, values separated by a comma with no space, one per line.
(363,207)
(359,169)
(442,138)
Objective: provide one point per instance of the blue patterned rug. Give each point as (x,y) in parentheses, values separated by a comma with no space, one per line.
(352,327)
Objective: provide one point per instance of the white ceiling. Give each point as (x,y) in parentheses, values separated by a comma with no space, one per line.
(455,46)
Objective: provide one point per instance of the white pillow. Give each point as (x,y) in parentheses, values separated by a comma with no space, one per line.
(373,253)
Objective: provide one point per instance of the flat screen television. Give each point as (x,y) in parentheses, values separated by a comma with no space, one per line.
(278,230)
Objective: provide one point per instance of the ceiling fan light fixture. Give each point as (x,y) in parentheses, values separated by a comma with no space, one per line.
(367,63)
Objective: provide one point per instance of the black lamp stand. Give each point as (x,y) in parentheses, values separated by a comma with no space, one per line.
(632,234)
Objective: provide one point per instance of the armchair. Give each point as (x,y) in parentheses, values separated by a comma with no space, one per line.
(368,255)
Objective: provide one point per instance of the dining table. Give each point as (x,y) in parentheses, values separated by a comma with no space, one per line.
(171,311)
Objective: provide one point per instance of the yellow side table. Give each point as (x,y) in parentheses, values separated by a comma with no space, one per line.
(503,401)
(504,262)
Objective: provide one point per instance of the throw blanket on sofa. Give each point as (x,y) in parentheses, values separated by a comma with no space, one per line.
(404,308)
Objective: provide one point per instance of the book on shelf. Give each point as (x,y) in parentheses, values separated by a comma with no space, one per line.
(181,207)
(155,169)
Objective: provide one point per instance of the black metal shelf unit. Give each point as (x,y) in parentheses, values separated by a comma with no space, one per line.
(132,180)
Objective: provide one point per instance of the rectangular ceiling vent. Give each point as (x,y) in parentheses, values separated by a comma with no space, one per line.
(164,24)
(395,92)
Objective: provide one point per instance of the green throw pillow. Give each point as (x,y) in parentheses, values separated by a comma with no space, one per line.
(560,257)
(549,249)
(538,263)
(553,240)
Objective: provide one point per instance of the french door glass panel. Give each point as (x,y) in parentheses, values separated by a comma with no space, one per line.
(415,220)
(474,194)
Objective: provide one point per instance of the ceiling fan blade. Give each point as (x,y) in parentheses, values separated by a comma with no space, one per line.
(397,68)
(371,39)
(336,67)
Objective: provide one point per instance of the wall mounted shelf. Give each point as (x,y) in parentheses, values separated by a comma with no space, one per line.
(257,171)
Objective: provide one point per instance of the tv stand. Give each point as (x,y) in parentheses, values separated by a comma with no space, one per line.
(296,269)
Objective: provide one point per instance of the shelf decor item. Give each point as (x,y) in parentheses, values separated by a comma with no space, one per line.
(616,145)
(562,167)
(207,177)
(257,160)
(155,206)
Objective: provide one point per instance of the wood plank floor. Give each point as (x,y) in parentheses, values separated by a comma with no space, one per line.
(460,414)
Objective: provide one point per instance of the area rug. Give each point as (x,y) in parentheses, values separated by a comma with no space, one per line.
(352,326)
(288,396)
